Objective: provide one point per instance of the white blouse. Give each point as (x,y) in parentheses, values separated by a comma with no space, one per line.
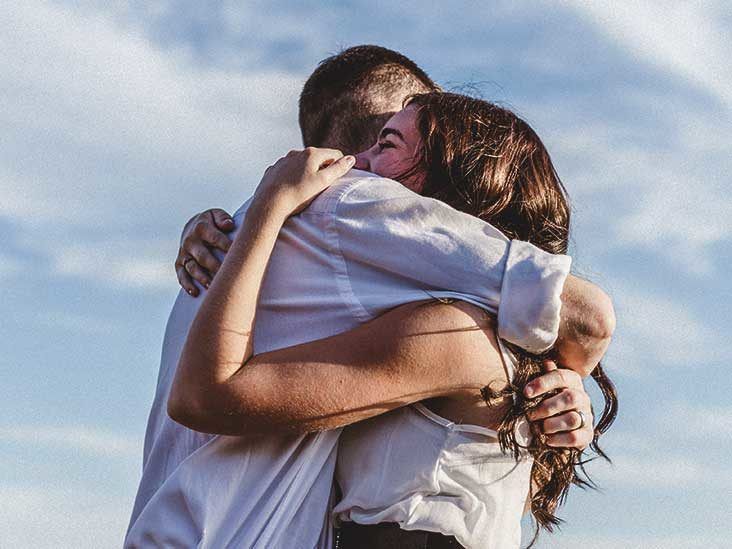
(428,473)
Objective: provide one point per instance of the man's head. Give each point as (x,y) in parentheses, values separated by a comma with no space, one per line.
(350,96)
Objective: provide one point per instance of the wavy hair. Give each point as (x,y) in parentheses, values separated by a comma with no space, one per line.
(484,160)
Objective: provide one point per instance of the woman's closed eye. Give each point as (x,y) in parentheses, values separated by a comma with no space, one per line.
(385,145)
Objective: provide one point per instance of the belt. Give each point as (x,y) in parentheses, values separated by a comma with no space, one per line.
(388,535)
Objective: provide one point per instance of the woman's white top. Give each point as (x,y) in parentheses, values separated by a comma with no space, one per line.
(428,473)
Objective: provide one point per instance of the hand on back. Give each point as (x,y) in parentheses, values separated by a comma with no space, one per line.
(290,184)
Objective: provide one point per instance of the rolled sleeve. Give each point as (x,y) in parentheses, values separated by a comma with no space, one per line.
(394,246)
(528,315)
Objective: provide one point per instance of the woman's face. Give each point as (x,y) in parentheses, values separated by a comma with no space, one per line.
(396,151)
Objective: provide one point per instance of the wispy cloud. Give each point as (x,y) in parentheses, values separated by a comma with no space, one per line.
(91,110)
(698,421)
(110,142)
(48,517)
(90,440)
(688,38)
(662,329)
(632,542)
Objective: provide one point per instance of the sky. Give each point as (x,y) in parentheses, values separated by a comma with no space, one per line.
(122,119)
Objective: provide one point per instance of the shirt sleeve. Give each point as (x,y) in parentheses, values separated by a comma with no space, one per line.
(411,241)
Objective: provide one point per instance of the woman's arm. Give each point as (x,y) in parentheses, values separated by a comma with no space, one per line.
(414,352)
(220,340)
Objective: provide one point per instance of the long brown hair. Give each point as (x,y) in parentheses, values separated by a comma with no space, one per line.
(484,160)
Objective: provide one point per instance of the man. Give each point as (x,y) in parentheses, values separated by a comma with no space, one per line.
(273,491)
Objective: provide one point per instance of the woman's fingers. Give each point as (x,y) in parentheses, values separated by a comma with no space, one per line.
(564,401)
(338,168)
(317,158)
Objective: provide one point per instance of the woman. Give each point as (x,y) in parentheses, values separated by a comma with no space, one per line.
(479,159)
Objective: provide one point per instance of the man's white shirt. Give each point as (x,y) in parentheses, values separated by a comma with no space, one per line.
(364,246)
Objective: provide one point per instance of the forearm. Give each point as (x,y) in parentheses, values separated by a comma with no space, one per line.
(408,354)
(220,340)
(586,326)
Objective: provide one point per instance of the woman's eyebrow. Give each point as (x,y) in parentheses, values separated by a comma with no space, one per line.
(391,131)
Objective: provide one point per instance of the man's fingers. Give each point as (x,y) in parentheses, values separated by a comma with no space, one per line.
(550,381)
(338,168)
(198,273)
(568,399)
(212,236)
(185,280)
(579,439)
(202,256)
(222,220)
(568,421)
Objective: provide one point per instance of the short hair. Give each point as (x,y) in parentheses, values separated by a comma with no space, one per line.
(343,103)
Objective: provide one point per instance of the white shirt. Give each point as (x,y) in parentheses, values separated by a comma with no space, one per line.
(428,473)
(365,245)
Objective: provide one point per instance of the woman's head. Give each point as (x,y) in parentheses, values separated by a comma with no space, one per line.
(478,158)
(485,161)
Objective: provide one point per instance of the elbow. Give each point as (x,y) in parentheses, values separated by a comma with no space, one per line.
(214,411)
(186,409)
(602,323)
(586,330)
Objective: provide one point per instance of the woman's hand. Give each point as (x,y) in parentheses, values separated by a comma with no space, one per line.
(291,183)
(566,417)
(196,261)
(220,340)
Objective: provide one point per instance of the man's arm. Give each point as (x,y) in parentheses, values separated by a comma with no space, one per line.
(587,323)
(386,227)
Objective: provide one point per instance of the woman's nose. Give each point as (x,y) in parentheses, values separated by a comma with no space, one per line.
(362,161)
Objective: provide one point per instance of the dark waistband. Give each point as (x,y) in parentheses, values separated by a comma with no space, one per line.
(388,535)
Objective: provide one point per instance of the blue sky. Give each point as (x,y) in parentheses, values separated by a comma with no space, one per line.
(121,119)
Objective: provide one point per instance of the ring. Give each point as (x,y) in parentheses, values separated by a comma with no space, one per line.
(186,260)
(582,420)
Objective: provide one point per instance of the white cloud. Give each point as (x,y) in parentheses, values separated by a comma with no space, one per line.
(74,323)
(48,517)
(131,263)
(631,542)
(651,472)
(655,332)
(687,38)
(10,266)
(663,327)
(695,421)
(105,132)
(96,119)
(89,440)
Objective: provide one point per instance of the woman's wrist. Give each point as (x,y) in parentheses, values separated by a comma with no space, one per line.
(268,208)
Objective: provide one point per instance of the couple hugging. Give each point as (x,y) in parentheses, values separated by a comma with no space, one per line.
(391,351)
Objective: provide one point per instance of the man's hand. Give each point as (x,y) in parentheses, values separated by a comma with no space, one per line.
(195,261)
(565,418)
